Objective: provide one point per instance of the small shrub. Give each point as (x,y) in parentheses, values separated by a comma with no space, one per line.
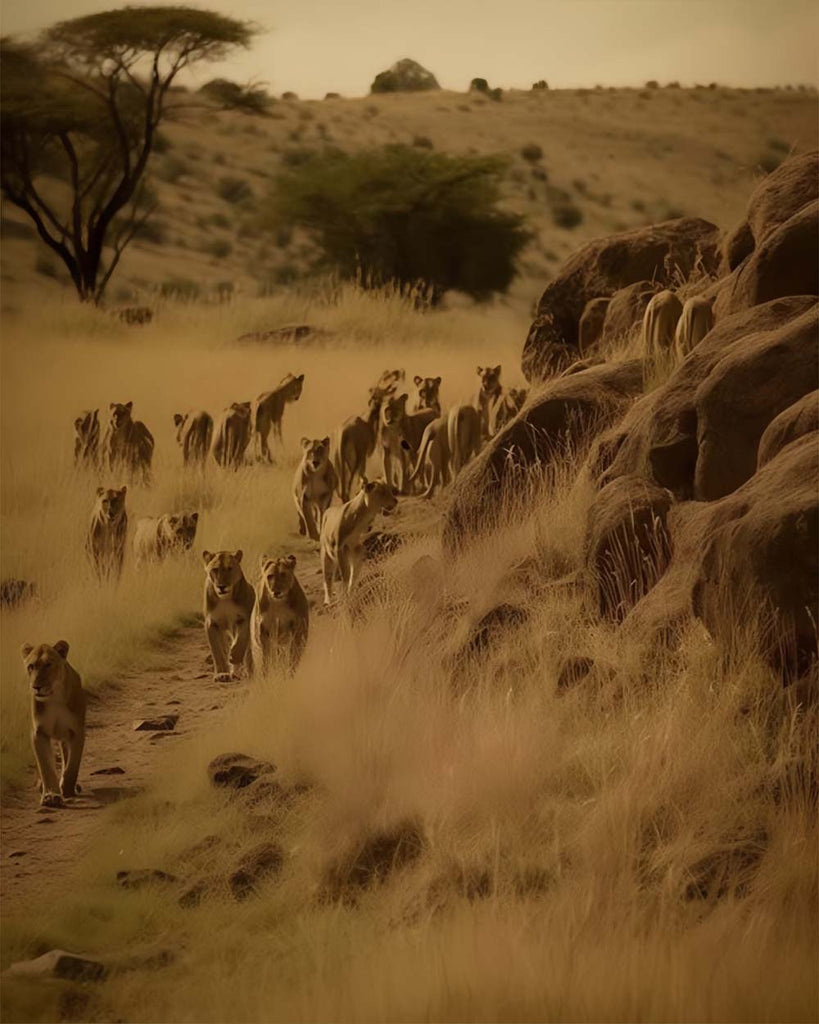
(283,236)
(539,173)
(249,229)
(531,152)
(289,95)
(161,143)
(295,156)
(306,115)
(171,169)
(46,266)
(220,248)
(332,95)
(638,205)
(423,142)
(673,85)
(580,186)
(295,135)
(496,95)
(769,162)
(479,85)
(248,99)
(464,108)
(652,84)
(179,288)
(153,231)
(778,145)
(565,213)
(219,159)
(234,190)
(218,220)
(540,85)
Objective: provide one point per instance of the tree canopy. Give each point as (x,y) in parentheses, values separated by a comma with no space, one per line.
(83,104)
(405,215)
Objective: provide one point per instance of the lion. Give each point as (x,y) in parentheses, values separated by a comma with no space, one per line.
(506,408)
(488,394)
(659,323)
(281,617)
(313,485)
(155,539)
(433,457)
(428,396)
(127,443)
(400,436)
(194,433)
(354,443)
(343,529)
(57,715)
(105,542)
(268,411)
(231,435)
(229,602)
(696,320)
(87,439)
(463,435)
(388,382)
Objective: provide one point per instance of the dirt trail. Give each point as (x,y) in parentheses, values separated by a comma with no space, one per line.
(39,844)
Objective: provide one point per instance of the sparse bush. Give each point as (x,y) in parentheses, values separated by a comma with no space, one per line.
(769,162)
(422,142)
(638,205)
(219,159)
(306,115)
(479,85)
(565,213)
(496,95)
(153,231)
(46,266)
(531,152)
(332,96)
(580,186)
(652,84)
(289,96)
(283,236)
(673,85)
(171,169)
(218,220)
(248,99)
(234,190)
(181,289)
(778,145)
(401,214)
(220,248)
(161,143)
(540,85)
(295,156)
(404,76)
(540,174)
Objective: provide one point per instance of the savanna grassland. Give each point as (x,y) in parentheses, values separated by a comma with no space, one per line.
(643,848)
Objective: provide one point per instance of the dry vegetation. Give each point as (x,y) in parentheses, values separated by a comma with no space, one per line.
(611,159)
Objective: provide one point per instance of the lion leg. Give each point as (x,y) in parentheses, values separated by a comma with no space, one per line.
(355,558)
(309,517)
(72,754)
(44,754)
(240,649)
(216,640)
(328,570)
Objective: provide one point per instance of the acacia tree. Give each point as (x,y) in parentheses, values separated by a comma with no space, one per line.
(83,105)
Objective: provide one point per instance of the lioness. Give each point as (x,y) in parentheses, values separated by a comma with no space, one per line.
(429,394)
(87,439)
(57,715)
(659,324)
(488,394)
(229,601)
(268,411)
(433,456)
(232,435)
(281,616)
(127,443)
(506,407)
(343,529)
(194,433)
(696,320)
(155,539)
(354,442)
(463,435)
(388,382)
(105,542)
(313,485)
(397,426)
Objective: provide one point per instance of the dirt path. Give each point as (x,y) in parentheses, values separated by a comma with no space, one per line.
(118,761)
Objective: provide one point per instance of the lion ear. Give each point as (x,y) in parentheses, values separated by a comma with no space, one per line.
(177,419)
(100,491)
(78,422)
(291,561)
(325,441)
(480,370)
(305,442)
(300,378)
(61,647)
(25,650)
(123,490)
(112,405)
(497,368)
(238,556)
(206,556)
(129,406)
(417,380)
(437,380)
(194,517)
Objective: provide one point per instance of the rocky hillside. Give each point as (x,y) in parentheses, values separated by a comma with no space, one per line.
(582,163)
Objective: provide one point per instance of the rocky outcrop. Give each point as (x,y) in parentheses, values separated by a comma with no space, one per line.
(626,309)
(405,76)
(794,422)
(562,419)
(628,546)
(603,267)
(590,328)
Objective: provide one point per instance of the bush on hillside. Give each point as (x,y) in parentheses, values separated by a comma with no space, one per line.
(233,190)
(405,76)
(405,215)
(479,85)
(531,152)
(540,85)
(248,99)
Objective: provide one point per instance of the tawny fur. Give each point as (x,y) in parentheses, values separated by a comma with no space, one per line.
(128,444)
(432,464)
(155,539)
(487,396)
(463,435)
(281,617)
(313,485)
(695,322)
(105,541)
(268,412)
(229,601)
(231,435)
(659,323)
(194,433)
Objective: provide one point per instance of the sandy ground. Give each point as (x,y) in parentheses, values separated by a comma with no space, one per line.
(40,845)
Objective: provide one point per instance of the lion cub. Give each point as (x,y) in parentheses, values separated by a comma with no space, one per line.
(155,539)
(57,715)
(106,534)
(343,529)
(281,616)
(229,601)
(313,485)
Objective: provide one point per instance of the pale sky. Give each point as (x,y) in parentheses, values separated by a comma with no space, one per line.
(318,46)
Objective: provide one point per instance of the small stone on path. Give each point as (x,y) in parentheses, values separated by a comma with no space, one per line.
(164,724)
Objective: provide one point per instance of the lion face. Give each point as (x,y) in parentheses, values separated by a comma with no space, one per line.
(181,529)
(278,575)
(316,453)
(223,570)
(291,387)
(428,392)
(378,495)
(45,666)
(120,414)
(393,409)
(111,503)
(179,422)
(241,409)
(490,379)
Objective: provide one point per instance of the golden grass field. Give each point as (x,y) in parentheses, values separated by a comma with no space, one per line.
(639,849)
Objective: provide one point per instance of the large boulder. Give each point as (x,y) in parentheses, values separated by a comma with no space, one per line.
(781,194)
(405,76)
(786,262)
(754,381)
(797,420)
(627,546)
(601,268)
(658,437)
(626,308)
(591,325)
(759,572)
(557,422)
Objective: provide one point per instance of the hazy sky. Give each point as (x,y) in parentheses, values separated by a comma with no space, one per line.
(317,46)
